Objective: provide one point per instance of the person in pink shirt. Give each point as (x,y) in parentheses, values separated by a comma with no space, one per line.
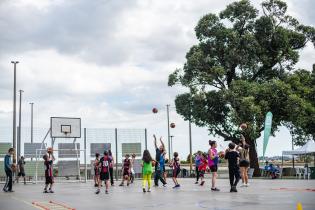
(213,160)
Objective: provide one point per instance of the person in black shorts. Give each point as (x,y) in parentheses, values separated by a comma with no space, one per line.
(175,164)
(234,170)
(126,170)
(104,164)
(96,165)
(21,170)
(49,178)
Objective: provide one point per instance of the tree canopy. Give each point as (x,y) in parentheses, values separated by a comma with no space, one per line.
(244,66)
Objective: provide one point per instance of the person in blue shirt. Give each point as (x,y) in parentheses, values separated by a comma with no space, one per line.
(162,165)
(197,163)
(8,171)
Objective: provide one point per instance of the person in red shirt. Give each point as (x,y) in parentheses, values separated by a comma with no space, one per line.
(203,168)
(49,178)
(104,164)
(126,169)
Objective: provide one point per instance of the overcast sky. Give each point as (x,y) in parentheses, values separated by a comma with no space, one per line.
(108,61)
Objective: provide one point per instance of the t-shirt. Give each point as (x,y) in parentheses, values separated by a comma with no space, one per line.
(105,162)
(176,164)
(158,155)
(244,154)
(21,166)
(147,168)
(232,158)
(215,160)
(7,162)
(162,161)
(127,164)
(197,160)
(203,165)
(48,168)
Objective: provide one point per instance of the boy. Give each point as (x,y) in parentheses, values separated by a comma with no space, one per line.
(175,164)
(105,161)
(126,170)
(234,170)
(49,179)
(8,168)
(21,164)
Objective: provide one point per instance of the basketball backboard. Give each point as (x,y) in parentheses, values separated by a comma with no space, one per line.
(65,127)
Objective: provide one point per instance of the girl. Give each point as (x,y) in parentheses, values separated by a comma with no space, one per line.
(197,163)
(49,179)
(146,170)
(176,169)
(104,175)
(213,160)
(132,171)
(111,167)
(126,170)
(96,169)
(244,162)
(202,168)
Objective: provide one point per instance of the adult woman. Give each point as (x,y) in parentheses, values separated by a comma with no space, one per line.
(244,161)
(213,160)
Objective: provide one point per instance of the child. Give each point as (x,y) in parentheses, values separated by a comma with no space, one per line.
(132,171)
(49,178)
(197,164)
(104,175)
(21,164)
(146,170)
(213,160)
(202,168)
(111,167)
(234,170)
(126,170)
(96,170)
(176,169)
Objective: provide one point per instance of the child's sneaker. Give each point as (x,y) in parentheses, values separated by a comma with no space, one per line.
(149,190)
(178,185)
(121,185)
(97,191)
(51,191)
(247,185)
(243,185)
(143,190)
(202,183)
(215,189)
(106,191)
(95,185)
(45,191)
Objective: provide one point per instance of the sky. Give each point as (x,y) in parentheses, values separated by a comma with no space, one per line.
(108,61)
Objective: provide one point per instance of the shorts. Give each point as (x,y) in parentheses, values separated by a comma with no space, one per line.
(202,173)
(244,163)
(49,180)
(21,174)
(126,173)
(96,172)
(214,168)
(104,176)
(176,172)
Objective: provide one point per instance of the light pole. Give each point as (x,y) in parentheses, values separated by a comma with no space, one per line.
(32,104)
(171,147)
(14,110)
(190,147)
(168,129)
(20,125)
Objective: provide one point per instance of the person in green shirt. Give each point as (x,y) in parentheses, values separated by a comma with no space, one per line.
(146,170)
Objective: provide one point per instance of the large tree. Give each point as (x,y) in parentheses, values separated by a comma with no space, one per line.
(243,67)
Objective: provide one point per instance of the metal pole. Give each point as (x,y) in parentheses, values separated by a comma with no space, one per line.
(14,110)
(168,129)
(85,165)
(171,147)
(20,125)
(32,135)
(190,147)
(116,142)
(146,138)
(292,155)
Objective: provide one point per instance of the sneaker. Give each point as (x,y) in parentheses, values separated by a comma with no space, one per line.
(143,190)
(95,185)
(112,185)
(127,184)
(243,185)
(175,187)
(215,189)
(247,185)
(149,190)
(234,189)
(106,191)
(45,191)
(178,185)
(202,183)
(121,185)
(164,185)
(10,191)
(231,190)
(196,182)
(97,191)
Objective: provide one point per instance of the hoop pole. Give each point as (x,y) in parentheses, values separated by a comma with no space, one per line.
(116,142)
(85,165)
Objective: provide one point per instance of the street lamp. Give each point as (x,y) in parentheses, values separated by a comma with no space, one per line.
(168,129)
(32,104)
(14,109)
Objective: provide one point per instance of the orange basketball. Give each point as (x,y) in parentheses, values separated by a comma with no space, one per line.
(243,126)
(155,110)
(172,125)
(221,154)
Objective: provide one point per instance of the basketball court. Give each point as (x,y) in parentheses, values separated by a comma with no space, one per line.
(261,195)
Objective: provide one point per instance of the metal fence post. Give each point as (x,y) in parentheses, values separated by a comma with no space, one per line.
(116,143)
(146,138)
(85,165)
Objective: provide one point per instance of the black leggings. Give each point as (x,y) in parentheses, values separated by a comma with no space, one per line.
(235,176)
(197,174)
(157,177)
(111,174)
(8,183)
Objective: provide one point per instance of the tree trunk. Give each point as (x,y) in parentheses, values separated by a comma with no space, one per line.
(253,157)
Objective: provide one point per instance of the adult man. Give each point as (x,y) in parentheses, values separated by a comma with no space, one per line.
(8,171)
(159,152)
